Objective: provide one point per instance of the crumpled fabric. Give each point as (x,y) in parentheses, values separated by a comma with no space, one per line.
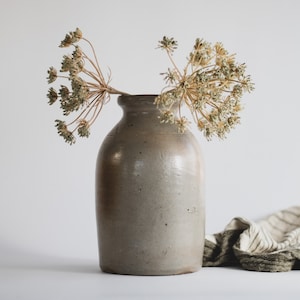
(269,245)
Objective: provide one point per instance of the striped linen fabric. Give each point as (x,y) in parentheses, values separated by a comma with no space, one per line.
(269,245)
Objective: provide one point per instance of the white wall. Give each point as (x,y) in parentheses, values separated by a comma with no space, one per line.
(47,187)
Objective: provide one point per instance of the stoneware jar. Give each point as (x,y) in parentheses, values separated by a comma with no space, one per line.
(149,195)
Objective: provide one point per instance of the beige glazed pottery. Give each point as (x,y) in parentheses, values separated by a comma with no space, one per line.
(149,195)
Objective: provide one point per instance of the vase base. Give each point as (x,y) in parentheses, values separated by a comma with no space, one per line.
(141,272)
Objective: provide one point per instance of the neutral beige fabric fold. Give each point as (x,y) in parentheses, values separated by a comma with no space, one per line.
(270,245)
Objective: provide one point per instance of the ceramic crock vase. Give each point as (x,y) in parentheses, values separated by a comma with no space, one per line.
(149,195)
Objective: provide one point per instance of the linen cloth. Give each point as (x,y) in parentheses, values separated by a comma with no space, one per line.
(269,245)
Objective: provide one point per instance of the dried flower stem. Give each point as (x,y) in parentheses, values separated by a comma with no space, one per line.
(97,67)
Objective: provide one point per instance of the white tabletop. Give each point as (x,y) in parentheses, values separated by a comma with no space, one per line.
(25,276)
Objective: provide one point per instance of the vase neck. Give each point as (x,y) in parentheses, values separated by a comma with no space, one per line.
(138,103)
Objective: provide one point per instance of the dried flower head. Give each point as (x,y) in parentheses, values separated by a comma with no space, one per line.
(71,38)
(168,44)
(83,128)
(211,85)
(52,75)
(52,95)
(63,131)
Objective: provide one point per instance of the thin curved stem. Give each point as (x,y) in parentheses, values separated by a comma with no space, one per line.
(89,107)
(97,111)
(96,66)
(173,63)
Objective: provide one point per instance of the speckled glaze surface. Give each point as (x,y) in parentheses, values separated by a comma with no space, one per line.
(149,195)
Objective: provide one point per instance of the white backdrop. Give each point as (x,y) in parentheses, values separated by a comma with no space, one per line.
(47,187)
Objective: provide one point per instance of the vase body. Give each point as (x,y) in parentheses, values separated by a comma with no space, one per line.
(149,195)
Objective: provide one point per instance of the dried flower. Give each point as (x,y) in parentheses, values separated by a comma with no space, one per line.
(71,38)
(89,96)
(83,129)
(182,124)
(66,63)
(52,75)
(52,95)
(77,53)
(211,86)
(168,44)
(64,132)
(64,93)
(167,117)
